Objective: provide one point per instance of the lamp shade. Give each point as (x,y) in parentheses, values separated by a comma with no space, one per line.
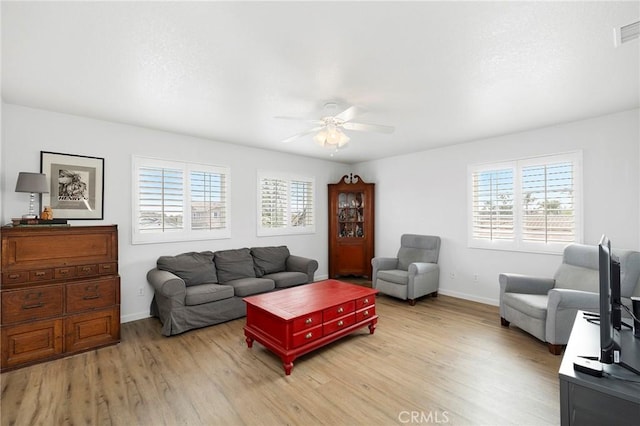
(32,182)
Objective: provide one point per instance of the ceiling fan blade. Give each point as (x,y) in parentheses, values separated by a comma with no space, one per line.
(363,127)
(348,114)
(308,120)
(299,135)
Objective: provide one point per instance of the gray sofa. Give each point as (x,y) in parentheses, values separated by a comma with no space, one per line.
(198,289)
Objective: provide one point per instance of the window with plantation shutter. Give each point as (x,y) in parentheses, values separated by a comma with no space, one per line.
(285,204)
(531,204)
(178,201)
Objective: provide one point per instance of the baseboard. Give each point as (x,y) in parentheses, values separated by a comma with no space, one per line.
(321,277)
(471,297)
(134,317)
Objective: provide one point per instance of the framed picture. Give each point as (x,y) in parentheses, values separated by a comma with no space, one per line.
(76,185)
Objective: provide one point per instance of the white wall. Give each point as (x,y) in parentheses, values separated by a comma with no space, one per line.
(26,132)
(426,193)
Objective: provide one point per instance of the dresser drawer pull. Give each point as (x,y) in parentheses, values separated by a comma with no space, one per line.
(91,296)
(91,289)
(63,271)
(35,305)
(308,336)
(365,313)
(340,323)
(39,274)
(30,297)
(308,321)
(14,276)
(340,310)
(365,301)
(86,268)
(106,266)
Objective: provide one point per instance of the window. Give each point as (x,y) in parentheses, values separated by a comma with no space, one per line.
(531,204)
(177,201)
(285,204)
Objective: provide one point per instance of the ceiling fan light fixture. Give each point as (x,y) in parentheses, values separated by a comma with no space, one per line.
(331,137)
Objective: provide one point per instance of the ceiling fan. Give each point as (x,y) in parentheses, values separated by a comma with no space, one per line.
(330,127)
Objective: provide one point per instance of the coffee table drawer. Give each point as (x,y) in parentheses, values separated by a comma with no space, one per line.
(338,324)
(365,314)
(307,321)
(338,310)
(365,302)
(307,336)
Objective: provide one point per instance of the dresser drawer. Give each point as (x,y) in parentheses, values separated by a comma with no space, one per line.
(86,270)
(307,336)
(108,268)
(31,304)
(15,277)
(66,272)
(338,324)
(364,302)
(41,275)
(93,329)
(93,294)
(338,310)
(307,321)
(365,314)
(31,342)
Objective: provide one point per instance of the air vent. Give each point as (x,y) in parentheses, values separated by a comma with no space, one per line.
(626,33)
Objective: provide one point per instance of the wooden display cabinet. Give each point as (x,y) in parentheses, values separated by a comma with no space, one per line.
(351,227)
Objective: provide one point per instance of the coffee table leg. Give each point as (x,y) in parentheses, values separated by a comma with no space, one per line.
(249,341)
(287,363)
(372,327)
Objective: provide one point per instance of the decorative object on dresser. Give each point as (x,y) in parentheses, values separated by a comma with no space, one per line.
(60,292)
(351,227)
(76,185)
(296,321)
(33,183)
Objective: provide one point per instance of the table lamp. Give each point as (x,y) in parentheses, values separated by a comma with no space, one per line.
(35,183)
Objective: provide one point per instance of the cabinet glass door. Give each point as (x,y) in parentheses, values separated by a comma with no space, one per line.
(351,215)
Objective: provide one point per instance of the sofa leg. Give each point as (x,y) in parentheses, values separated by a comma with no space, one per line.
(555,349)
(412,302)
(504,322)
(434,294)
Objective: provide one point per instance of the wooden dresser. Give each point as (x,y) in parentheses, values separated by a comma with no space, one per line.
(60,292)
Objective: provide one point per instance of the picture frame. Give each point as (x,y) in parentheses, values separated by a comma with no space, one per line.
(76,185)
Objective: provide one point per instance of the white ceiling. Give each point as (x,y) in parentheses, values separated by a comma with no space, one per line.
(440,72)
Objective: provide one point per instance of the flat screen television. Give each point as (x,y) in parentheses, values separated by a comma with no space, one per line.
(613,341)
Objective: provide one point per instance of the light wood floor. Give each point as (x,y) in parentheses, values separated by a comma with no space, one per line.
(444,360)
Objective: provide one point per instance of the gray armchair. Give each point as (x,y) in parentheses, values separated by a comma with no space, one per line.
(413,273)
(546,307)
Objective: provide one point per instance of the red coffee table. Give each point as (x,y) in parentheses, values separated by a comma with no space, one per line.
(298,320)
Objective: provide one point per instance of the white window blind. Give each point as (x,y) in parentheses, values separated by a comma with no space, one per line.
(529,204)
(177,201)
(285,204)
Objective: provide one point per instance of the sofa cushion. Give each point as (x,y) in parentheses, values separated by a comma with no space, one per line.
(234,264)
(205,293)
(533,305)
(395,276)
(267,260)
(194,268)
(248,286)
(288,279)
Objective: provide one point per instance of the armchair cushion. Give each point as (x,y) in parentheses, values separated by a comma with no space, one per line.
(234,264)
(395,276)
(268,260)
(194,268)
(533,305)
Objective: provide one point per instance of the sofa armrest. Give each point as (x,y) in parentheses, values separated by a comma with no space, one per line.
(562,306)
(517,283)
(381,264)
(424,278)
(302,264)
(419,268)
(167,284)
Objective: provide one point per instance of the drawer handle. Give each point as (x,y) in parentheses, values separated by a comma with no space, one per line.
(365,301)
(365,313)
(106,266)
(39,274)
(340,323)
(308,335)
(340,310)
(64,271)
(308,321)
(86,268)
(91,296)
(35,305)
(14,276)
